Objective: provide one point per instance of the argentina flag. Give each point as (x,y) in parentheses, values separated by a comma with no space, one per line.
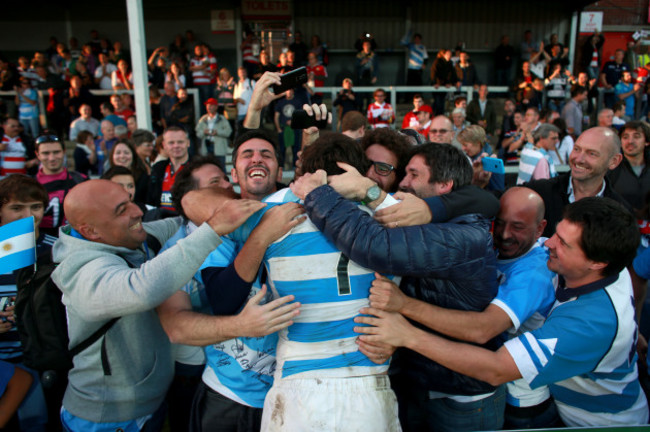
(17,245)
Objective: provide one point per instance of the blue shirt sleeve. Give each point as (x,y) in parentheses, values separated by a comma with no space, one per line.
(225,289)
(241,234)
(641,264)
(527,289)
(6,372)
(572,341)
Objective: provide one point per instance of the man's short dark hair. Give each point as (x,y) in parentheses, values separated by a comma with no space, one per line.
(578,90)
(254,134)
(417,96)
(637,125)
(535,110)
(445,163)
(353,120)
(107,106)
(394,142)
(83,135)
(19,187)
(619,105)
(6,120)
(414,137)
(116,171)
(609,232)
(141,136)
(185,182)
(175,129)
(331,148)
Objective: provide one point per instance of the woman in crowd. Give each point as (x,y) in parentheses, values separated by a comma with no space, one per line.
(122,79)
(143,142)
(123,154)
(474,143)
(565,146)
(85,153)
(175,74)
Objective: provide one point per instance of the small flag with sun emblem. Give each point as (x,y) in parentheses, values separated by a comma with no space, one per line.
(17,245)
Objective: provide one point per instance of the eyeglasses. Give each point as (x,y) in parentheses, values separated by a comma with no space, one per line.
(46,139)
(438,131)
(383,168)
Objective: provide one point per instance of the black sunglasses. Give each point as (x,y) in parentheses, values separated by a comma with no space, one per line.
(383,168)
(46,139)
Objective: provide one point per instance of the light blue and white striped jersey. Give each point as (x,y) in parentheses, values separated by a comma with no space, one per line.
(586,353)
(240,369)
(417,52)
(530,157)
(331,289)
(526,294)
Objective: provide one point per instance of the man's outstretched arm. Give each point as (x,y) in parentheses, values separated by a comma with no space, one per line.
(185,326)
(470,326)
(391,328)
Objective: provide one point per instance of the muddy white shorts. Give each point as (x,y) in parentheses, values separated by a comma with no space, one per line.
(353,404)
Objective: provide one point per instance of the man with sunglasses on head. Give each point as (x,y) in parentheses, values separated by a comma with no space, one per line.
(56,179)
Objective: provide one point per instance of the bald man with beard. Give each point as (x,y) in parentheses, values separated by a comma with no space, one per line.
(111,283)
(526,294)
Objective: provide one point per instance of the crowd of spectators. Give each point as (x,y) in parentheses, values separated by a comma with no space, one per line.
(524,307)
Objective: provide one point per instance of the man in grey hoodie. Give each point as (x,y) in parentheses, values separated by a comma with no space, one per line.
(107,271)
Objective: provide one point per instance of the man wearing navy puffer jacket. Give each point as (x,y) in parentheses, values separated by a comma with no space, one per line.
(451,264)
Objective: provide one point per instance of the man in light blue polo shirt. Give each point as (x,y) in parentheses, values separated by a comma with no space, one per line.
(586,350)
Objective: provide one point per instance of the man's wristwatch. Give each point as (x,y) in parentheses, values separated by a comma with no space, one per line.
(373,193)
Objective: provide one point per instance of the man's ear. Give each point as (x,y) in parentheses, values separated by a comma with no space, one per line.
(233,174)
(88,232)
(615,160)
(446,187)
(598,266)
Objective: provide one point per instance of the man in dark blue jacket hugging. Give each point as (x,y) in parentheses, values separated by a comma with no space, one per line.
(451,264)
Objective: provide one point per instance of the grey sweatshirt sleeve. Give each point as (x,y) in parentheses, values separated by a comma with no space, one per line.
(98,284)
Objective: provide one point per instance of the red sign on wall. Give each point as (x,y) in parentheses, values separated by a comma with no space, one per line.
(266,9)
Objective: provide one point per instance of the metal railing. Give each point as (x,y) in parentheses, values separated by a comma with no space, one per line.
(393,91)
(468,91)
